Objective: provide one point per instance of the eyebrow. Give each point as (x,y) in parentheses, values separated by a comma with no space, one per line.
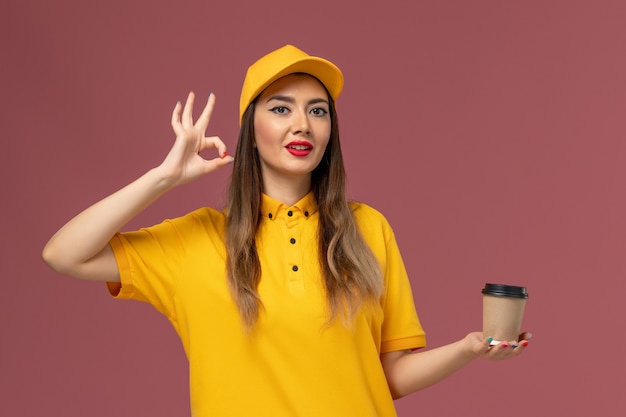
(291,100)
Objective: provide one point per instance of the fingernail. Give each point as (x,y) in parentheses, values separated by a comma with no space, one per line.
(210,94)
(223,155)
(514,346)
(524,343)
(505,345)
(489,339)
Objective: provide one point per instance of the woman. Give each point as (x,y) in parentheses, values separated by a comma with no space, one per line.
(292,301)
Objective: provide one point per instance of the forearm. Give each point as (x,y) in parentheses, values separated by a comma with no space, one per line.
(409,372)
(87,235)
(80,248)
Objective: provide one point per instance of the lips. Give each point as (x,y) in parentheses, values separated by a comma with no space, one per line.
(299,148)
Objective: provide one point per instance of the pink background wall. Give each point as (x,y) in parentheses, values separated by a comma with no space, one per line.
(490,133)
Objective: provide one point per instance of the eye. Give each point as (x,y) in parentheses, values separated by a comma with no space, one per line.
(318,111)
(279,110)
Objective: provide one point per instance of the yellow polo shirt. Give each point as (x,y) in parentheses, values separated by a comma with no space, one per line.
(291,365)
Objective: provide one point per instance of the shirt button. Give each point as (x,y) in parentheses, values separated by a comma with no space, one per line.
(306,214)
(292,240)
(290,213)
(269,215)
(294,268)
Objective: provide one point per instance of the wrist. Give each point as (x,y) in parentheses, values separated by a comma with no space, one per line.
(471,345)
(162,179)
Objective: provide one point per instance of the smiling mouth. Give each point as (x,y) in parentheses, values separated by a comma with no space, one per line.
(299,148)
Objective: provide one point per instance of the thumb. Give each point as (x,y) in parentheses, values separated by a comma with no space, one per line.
(210,165)
(481,346)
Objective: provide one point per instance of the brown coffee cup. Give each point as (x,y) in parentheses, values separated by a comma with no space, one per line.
(503,310)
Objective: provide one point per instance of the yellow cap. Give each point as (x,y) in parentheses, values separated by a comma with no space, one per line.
(284,61)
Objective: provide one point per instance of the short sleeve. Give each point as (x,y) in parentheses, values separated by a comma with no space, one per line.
(152,260)
(400,328)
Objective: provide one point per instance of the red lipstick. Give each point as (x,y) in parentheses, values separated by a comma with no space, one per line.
(299,148)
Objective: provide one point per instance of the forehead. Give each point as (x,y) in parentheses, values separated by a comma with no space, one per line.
(295,83)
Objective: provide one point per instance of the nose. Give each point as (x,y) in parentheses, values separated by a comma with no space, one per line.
(300,124)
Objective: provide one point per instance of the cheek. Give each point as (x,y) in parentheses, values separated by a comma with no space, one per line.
(326,135)
(259,136)
(265,134)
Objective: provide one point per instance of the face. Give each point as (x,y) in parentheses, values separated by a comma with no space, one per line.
(292,127)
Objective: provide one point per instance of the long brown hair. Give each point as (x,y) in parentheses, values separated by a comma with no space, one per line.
(351,273)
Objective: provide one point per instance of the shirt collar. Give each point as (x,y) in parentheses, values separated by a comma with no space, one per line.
(273,209)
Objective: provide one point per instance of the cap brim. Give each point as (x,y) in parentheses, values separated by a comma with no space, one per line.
(323,70)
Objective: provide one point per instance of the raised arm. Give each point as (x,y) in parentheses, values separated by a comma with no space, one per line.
(80,249)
